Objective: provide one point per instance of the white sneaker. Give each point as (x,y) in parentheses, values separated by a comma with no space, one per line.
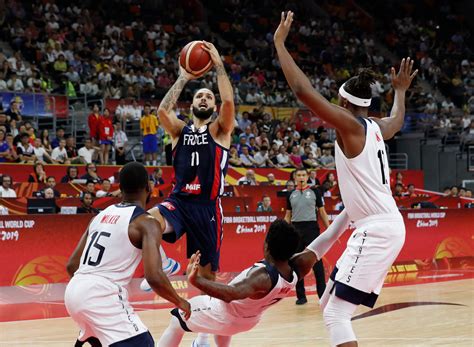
(195,344)
(170,269)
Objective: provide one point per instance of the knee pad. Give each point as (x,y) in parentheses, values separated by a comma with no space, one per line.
(337,316)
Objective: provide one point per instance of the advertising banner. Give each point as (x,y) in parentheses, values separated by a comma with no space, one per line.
(35,249)
(40,105)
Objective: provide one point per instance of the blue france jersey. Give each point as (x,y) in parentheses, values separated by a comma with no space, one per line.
(200,165)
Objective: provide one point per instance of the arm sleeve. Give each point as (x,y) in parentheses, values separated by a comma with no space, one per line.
(325,241)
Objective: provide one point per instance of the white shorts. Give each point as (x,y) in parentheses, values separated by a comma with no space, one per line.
(101,309)
(210,315)
(371,250)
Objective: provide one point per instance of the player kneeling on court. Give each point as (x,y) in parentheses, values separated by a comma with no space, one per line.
(232,308)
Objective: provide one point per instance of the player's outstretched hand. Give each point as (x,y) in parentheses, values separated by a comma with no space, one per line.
(186,308)
(212,50)
(284,28)
(193,267)
(401,81)
(303,262)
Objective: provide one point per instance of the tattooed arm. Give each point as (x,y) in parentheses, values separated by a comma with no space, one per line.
(168,119)
(226,118)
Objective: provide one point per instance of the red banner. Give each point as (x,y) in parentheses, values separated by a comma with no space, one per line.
(34,249)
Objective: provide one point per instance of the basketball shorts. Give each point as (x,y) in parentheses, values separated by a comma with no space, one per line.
(101,309)
(371,250)
(202,223)
(210,315)
(150,144)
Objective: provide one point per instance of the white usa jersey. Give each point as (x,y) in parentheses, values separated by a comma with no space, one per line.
(109,252)
(364,181)
(254,308)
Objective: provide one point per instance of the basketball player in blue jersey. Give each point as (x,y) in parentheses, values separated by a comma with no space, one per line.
(200,157)
(104,262)
(364,182)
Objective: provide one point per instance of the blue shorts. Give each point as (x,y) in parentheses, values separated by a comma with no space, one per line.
(150,144)
(105,142)
(201,221)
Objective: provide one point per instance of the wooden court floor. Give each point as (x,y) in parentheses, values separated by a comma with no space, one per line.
(434,314)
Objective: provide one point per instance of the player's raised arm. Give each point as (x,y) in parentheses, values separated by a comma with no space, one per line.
(148,227)
(304,261)
(401,81)
(301,85)
(168,119)
(226,119)
(257,283)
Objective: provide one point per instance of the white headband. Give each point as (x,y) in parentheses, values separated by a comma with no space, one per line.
(354,99)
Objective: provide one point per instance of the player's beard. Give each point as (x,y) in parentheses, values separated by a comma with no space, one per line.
(202,114)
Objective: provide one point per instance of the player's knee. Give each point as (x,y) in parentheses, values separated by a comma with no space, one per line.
(337,316)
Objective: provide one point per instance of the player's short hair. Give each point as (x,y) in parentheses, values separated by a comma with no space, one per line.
(282,240)
(359,85)
(133,178)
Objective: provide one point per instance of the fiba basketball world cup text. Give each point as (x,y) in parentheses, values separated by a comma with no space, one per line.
(14,235)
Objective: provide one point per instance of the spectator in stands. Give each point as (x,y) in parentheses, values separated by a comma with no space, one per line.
(398,193)
(91,174)
(86,204)
(5,189)
(72,152)
(324,141)
(59,137)
(48,193)
(90,189)
(88,153)
(431,106)
(289,186)
(462,192)
(155,191)
(270,180)
(234,158)
(106,135)
(265,205)
(71,174)
(296,157)
(331,178)
(44,137)
(59,154)
(454,191)
(12,156)
(123,112)
(14,112)
(105,190)
(244,121)
(246,158)
(4,147)
(447,191)
(93,121)
(120,144)
(466,120)
(283,158)
(25,150)
(468,194)
(313,180)
(248,180)
(157,177)
(262,159)
(40,153)
(51,183)
(149,128)
(15,84)
(411,191)
(327,159)
(38,175)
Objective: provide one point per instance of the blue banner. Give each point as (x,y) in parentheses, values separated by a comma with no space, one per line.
(30,104)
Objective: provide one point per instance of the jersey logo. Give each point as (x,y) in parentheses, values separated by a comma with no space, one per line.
(193,188)
(168,205)
(378,137)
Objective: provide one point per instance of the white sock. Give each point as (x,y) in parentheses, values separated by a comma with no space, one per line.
(172,335)
(147,163)
(154,162)
(202,339)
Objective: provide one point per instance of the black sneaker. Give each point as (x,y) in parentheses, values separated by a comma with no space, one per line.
(301,301)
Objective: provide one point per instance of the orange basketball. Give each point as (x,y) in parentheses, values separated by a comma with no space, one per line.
(194,59)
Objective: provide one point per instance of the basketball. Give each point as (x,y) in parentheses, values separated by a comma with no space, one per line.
(194,59)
